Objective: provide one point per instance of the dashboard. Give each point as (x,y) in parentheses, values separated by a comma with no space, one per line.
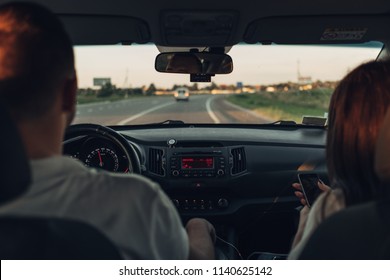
(237,177)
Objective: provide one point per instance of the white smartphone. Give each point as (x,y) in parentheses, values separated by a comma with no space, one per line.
(310,189)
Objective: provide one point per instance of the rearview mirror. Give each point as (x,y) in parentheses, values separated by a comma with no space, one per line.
(194,63)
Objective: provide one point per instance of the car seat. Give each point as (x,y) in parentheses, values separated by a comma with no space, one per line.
(356,233)
(34,237)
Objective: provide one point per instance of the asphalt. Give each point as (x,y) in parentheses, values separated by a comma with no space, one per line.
(144,110)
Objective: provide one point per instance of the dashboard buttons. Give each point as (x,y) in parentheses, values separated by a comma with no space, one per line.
(220,172)
(176,202)
(223,203)
(195,204)
(198,185)
(201,204)
(171,142)
(195,173)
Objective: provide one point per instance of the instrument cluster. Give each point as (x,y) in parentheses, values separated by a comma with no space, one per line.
(98,153)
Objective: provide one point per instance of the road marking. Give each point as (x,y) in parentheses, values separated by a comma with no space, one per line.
(211,113)
(122,122)
(92,104)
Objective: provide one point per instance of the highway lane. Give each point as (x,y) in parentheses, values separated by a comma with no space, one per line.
(144,110)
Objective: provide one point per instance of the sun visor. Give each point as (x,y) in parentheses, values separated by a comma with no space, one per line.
(104,30)
(318,30)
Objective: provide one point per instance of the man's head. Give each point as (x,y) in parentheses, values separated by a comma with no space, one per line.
(36,59)
(184,63)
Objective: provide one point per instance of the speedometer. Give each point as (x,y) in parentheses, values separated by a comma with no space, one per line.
(103,158)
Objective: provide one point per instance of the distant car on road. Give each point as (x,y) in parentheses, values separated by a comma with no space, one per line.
(182,93)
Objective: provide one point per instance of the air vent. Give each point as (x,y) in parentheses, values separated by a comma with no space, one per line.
(156,161)
(239,160)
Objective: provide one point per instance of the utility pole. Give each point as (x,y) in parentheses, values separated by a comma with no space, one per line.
(125,83)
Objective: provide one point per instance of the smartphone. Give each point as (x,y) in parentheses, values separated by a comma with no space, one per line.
(310,189)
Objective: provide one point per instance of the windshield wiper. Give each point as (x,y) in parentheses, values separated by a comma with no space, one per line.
(169,122)
(281,122)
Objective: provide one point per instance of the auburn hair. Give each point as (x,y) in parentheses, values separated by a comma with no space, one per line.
(356,112)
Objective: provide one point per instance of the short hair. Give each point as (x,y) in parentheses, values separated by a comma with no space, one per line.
(356,113)
(36,55)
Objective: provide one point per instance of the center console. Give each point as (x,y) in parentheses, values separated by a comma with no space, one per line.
(197,179)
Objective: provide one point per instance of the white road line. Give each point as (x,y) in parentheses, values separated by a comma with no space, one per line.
(92,104)
(211,113)
(122,122)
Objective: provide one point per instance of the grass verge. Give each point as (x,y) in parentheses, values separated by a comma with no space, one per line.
(84,99)
(290,105)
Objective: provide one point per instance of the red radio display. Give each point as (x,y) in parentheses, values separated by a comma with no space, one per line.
(197,162)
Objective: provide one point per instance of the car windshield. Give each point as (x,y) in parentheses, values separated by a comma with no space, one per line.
(118,85)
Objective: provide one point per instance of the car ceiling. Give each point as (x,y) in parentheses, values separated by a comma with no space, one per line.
(286,22)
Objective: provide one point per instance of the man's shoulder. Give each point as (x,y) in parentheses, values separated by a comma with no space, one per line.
(128,180)
(120,184)
(73,174)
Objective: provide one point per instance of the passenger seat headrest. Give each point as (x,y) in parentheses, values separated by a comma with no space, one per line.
(15,173)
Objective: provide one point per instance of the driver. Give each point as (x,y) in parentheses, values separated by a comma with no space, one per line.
(38,84)
(184,63)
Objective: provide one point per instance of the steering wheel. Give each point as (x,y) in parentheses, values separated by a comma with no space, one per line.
(103,131)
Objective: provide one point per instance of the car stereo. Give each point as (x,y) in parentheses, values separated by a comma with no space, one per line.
(197,162)
(202,163)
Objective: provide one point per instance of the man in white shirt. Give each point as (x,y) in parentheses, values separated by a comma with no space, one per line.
(38,84)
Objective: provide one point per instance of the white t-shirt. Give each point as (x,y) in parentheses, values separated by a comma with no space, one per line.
(132,211)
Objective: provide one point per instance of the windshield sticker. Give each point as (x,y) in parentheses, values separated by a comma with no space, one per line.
(343,34)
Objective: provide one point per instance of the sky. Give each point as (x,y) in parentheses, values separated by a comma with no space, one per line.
(133,66)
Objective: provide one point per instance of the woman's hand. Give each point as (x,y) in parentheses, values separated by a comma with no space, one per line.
(298,193)
(304,213)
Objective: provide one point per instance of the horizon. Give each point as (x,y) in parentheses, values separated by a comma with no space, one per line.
(205,85)
(133,66)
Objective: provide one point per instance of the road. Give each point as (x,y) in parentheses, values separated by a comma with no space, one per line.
(143,110)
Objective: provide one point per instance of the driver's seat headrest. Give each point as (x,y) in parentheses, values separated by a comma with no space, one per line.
(14,165)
